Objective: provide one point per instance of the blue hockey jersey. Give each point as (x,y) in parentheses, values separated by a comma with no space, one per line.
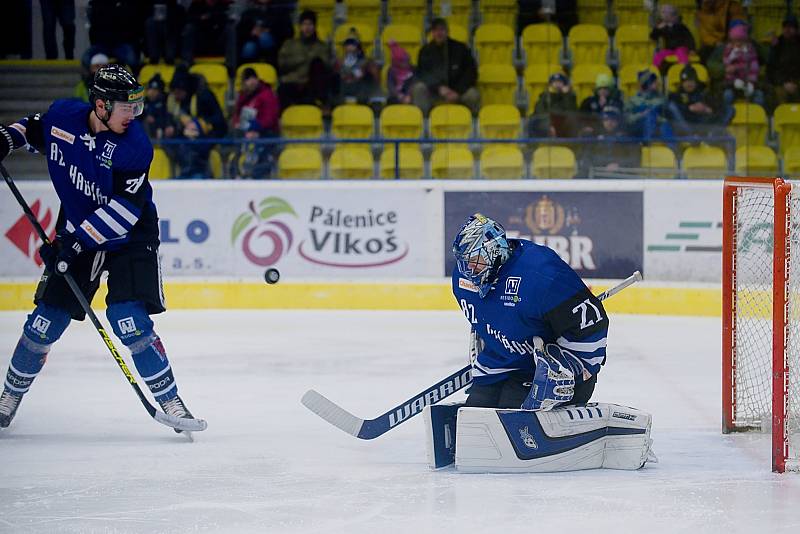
(101,180)
(536,295)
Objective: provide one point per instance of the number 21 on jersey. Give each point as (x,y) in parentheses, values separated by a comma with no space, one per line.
(583,309)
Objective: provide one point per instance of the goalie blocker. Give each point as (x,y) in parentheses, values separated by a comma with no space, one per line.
(488,440)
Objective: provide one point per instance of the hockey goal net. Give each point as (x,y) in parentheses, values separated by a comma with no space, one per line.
(761,313)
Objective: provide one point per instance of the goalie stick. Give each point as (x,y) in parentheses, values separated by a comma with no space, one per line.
(171,421)
(372,428)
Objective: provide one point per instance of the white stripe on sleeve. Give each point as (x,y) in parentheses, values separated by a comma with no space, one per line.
(123,211)
(582,347)
(109,220)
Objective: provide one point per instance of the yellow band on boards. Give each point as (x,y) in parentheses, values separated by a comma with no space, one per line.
(638,299)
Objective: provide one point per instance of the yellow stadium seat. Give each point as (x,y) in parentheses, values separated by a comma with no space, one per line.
(542,44)
(366,34)
(632,12)
(265,72)
(499,12)
(704,161)
(588,43)
(363,11)
(451,121)
(401,121)
(791,162)
(750,124)
(216,77)
(502,163)
(756,161)
(451,161)
(584,78)
(766,18)
(161,166)
(351,162)
(499,121)
(148,71)
(658,162)
(455,11)
(454,31)
(298,162)
(323,8)
(215,165)
(411,162)
(554,162)
(411,12)
(352,121)
(407,36)
(633,45)
(593,11)
(536,79)
(674,75)
(786,121)
(629,78)
(497,83)
(494,43)
(302,122)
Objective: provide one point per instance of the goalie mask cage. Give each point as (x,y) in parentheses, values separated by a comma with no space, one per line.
(761,313)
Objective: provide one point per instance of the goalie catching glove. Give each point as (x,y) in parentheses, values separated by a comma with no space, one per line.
(554,379)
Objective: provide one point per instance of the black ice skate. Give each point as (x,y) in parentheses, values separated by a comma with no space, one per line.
(176,408)
(9,403)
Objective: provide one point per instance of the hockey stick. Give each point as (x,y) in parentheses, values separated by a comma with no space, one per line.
(372,428)
(171,421)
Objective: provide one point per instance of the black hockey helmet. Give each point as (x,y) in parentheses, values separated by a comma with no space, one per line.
(114,84)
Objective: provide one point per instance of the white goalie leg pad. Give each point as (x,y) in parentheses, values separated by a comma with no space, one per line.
(595,436)
(440,433)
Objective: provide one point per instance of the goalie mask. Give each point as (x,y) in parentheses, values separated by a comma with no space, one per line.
(481,248)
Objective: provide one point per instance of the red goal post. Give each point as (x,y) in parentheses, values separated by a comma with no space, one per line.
(761,313)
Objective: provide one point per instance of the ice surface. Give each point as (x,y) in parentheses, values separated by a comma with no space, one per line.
(83,455)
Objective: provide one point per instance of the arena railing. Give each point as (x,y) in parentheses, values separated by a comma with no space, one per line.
(327,144)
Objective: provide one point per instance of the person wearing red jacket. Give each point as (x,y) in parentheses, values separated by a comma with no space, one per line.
(257,108)
(255,116)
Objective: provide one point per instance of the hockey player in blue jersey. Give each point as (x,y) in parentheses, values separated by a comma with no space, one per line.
(98,158)
(538,334)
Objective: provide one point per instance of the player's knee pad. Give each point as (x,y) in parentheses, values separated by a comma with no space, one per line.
(134,328)
(43,328)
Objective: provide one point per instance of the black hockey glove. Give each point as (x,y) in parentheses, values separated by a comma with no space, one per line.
(60,253)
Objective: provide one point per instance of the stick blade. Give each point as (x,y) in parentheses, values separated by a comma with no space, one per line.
(181,423)
(332,413)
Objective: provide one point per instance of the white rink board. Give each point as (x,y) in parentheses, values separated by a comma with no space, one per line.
(221,229)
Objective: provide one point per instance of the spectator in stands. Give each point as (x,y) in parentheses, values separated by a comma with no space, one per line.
(446,72)
(197,115)
(358,75)
(400,75)
(157,120)
(62,11)
(740,59)
(713,17)
(81,91)
(162,30)
(783,66)
(305,67)
(646,110)
(255,116)
(206,29)
(672,36)
(116,30)
(554,113)
(610,154)
(605,94)
(263,28)
(563,13)
(693,109)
